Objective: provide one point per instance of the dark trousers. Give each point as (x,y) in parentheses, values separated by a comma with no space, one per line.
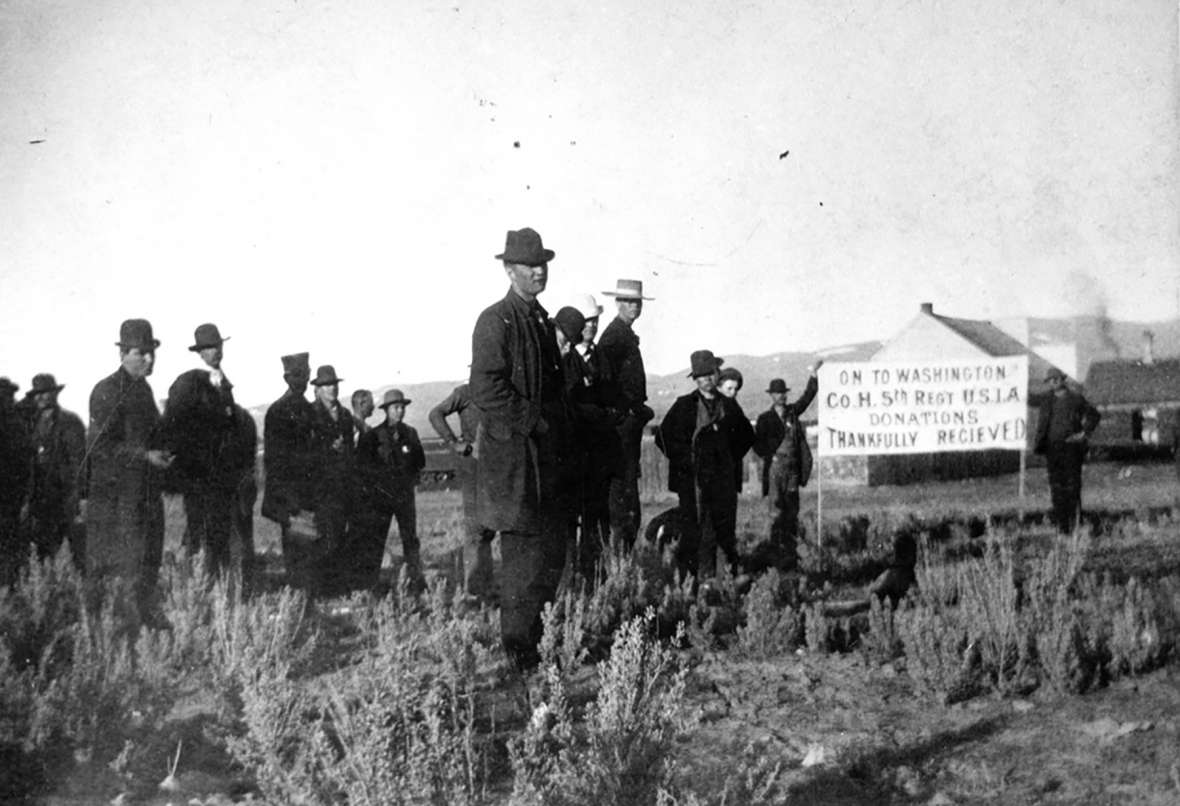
(624,486)
(405,512)
(784,512)
(1065,484)
(210,515)
(708,521)
(531,570)
(242,532)
(13,550)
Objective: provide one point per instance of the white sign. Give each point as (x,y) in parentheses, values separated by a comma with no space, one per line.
(870,408)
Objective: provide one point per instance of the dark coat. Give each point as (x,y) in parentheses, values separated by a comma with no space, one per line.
(16,452)
(516,385)
(622,367)
(684,446)
(457,402)
(389,459)
(287,458)
(770,429)
(124,511)
(59,450)
(198,427)
(333,467)
(599,452)
(1079,415)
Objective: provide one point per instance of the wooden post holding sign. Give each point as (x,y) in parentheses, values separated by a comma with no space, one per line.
(874,408)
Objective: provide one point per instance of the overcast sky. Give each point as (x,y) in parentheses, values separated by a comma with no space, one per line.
(336,177)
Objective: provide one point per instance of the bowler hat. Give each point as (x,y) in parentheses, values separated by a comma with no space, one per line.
(777,387)
(44,383)
(524,246)
(296,362)
(570,322)
(392,396)
(1054,372)
(628,289)
(587,305)
(704,363)
(325,376)
(206,335)
(137,333)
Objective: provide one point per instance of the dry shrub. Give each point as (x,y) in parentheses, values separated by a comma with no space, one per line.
(772,627)
(881,643)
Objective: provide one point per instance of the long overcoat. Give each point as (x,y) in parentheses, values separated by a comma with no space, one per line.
(198,426)
(516,384)
(124,512)
(287,458)
(682,443)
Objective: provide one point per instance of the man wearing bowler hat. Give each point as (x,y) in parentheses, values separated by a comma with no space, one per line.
(124,512)
(333,475)
(1065,422)
(59,449)
(622,367)
(389,458)
(288,491)
(516,382)
(199,428)
(705,436)
(780,441)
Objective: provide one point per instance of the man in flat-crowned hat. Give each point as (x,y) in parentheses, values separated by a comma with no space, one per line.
(59,448)
(124,512)
(622,366)
(780,441)
(516,383)
(389,460)
(705,435)
(199,427)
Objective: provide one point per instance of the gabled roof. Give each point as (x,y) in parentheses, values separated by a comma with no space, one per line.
(1111,383)
(993,341)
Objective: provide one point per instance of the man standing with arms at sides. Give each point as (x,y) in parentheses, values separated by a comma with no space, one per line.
(1064,424)
(333,477)
(622,365)
(16,451)
(705,436)
(478,575)
(287,461)
(59,449)
(124,512)
(516,383)
(199,428)
(362,410)
(389,458)
(780,441)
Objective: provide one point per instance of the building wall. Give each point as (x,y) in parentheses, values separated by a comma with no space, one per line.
(925,338)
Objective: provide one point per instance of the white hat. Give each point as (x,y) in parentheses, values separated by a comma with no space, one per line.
(586,305)
(628,289)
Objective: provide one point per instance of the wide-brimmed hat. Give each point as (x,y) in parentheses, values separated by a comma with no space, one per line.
(207,335)
(569,321)
(628,289)
(296,362)
(394,396)
(137,333)
(524,246)
(704,363)
(1054,372)
(777,387)
(44,382)
(325,376)
(587,305)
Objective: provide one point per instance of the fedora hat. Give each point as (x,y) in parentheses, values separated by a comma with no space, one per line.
(392,396)
(296,362)
(524,246)
(704,363)
(137,333)
(628,289)
(569,321)
(325,376)
(207,335)
(44,382)
(777,387)
(587,305)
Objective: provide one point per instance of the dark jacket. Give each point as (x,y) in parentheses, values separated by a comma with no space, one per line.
(457,402)
(1078,414)
(622,367)
(599,453)
(389,459)
(16,451)
(712,455)
(198,427)
(516,385)
(332,448)
(770,429)
(59,449)
(287,458)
